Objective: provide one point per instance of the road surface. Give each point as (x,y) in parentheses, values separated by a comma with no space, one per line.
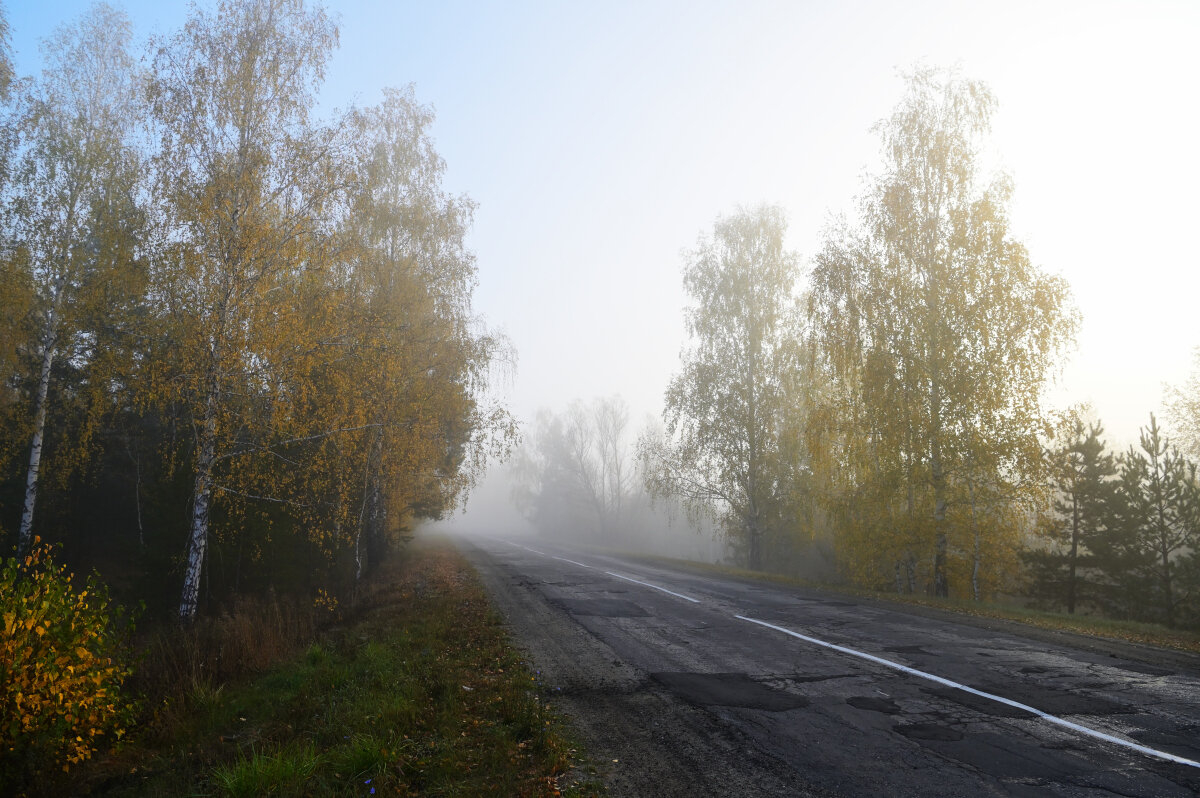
(682,682)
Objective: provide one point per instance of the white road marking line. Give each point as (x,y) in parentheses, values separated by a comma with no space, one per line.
(564,559)
(947,682)
(532,551)
(656,587)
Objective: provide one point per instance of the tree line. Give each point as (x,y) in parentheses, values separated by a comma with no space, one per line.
(238,347)
(1121,532)
(576,476)
(889,399)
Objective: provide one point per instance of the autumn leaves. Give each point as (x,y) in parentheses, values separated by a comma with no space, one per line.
(893,403)
(276,305)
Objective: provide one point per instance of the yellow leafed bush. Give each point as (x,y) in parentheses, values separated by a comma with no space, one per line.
(61,669)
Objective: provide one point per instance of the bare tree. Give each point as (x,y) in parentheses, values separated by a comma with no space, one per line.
(575,469)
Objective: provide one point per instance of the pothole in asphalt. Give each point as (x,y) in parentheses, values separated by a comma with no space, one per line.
(874,704)
(929,731)
(906,650)
(728,690)
(602,608)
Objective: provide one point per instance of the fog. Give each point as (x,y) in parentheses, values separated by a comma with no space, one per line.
(490,512)
(627,131)
(576,480)
(600,141)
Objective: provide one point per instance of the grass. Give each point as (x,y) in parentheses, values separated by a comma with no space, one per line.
(1097,626)
(420,694)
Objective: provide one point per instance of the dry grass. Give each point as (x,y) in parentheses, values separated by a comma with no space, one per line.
(247,638)
(418,692)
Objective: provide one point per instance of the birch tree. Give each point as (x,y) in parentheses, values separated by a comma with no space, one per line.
(1183,409)
(726,408)
(936,328)
(419,363)
(244,181)
(75,179)
(610,415)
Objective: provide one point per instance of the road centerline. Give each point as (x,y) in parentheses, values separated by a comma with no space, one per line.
(610,573)
(655,587)
(1153,752)
(564,559)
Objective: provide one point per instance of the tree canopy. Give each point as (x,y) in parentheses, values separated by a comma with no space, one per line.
(725,451)
(253,326)
(937,334)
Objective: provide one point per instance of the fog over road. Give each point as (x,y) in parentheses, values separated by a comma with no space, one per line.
(687,683)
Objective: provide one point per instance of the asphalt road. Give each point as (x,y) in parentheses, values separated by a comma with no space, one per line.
(685,683)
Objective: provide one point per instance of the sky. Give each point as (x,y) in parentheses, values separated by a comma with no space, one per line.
(601,139)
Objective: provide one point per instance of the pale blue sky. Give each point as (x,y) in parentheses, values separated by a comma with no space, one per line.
(600,139)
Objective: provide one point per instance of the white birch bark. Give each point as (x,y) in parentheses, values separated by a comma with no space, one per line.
(198,544)
(25,535)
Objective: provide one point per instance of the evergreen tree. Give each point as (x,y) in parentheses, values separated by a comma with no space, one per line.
(1081,478)
(1154,528)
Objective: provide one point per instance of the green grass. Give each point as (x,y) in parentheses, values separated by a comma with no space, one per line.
(422,694)
(1097,626)
(286,770)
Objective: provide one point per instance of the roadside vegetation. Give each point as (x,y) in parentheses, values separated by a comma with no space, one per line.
(879,419)
(240,362)
(416,691)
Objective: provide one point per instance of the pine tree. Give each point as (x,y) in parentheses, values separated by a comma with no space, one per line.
(1154,527)
(1081,476)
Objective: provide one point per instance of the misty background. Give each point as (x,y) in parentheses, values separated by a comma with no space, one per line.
(600,141)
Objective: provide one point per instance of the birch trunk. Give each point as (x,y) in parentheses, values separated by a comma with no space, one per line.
(368,494)
(975,532)
(198,544)
(25,536)
(941,586)
(137,501)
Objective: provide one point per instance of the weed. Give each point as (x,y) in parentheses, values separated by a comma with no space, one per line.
(417,693)
(284,771)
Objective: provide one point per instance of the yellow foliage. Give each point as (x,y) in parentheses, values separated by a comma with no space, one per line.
(325,601)
(60,675)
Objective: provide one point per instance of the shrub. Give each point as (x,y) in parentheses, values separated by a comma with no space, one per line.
(62,668)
